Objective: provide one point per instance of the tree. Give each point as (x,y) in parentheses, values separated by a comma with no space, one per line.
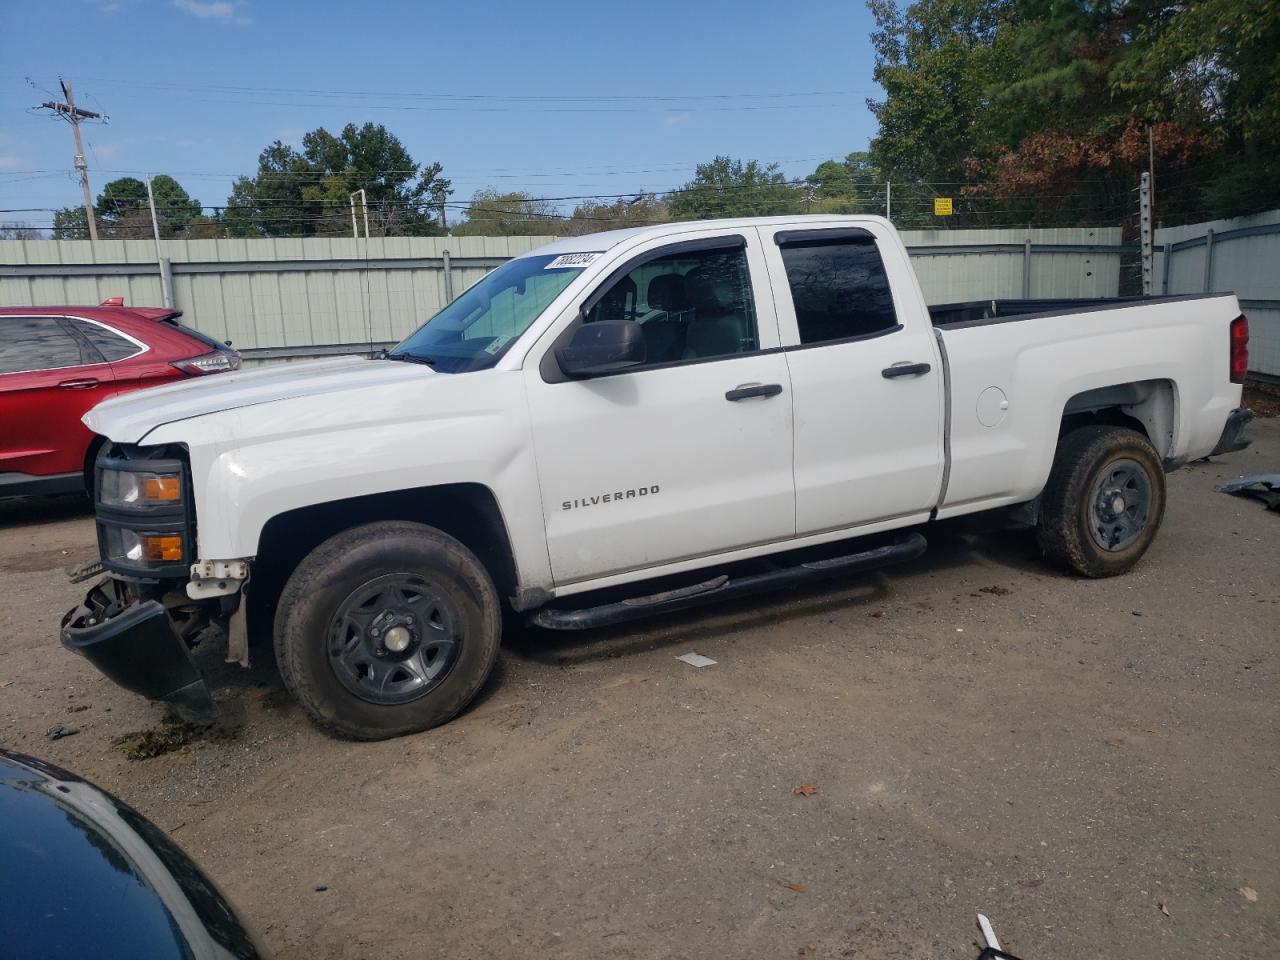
(591,215)
(852,185)
(726,187)
(19,231)
(70,223)
(122,209)
(1048,110)
(513,214)
(307,192)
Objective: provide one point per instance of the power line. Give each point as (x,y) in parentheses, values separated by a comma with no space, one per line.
(68,111)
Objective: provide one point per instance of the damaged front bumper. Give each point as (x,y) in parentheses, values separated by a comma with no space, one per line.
(133,642)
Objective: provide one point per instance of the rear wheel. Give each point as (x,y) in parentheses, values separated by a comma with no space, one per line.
(387,629)
(1104,501)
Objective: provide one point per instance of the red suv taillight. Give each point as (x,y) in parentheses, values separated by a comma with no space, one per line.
(219,361)
(1239,348)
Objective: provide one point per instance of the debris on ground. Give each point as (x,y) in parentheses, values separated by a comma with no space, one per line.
(797,887)
(696,660)
(1249,894)
(145,744)
(321,888)
(59,731)
(1259,486)
(1164,908)
(805,790)
(996,590)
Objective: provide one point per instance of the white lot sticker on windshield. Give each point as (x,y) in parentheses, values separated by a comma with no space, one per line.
(576,260)
(497,344)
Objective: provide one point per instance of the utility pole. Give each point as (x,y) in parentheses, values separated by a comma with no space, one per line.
(166,268)
(364,205)
(1144,226)
(888,197)
(73,115)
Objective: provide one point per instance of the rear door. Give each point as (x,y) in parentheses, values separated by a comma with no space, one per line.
(49,378)
(866,379)
(687,455)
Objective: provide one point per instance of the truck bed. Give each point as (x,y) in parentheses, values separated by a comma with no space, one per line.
(953,316)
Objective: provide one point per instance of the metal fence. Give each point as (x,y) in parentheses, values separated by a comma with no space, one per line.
(281,299)
(1240,256)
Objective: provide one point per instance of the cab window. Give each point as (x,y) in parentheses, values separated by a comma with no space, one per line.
(839,288)
(691,305)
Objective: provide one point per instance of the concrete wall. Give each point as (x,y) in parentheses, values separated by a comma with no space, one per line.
(1240,256)
(291,297)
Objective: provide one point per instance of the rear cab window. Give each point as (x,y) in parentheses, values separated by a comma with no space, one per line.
(838,285)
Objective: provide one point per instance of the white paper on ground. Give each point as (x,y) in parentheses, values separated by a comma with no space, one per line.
(696,660)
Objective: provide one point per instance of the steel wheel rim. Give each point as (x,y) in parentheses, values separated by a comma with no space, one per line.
(1119,504)
(394,639)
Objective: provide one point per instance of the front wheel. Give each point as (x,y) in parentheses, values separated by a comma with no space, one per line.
(387,629)
(1104,501)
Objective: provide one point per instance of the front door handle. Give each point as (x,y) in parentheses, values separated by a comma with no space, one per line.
(748,390)
(904,370)
(84,384)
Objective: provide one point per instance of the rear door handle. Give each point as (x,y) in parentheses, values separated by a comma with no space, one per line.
(84,384)
(904,370)
(748,390)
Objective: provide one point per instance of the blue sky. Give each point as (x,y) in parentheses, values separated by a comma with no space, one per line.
(196,88)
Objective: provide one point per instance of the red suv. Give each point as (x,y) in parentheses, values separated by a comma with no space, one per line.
(58,362)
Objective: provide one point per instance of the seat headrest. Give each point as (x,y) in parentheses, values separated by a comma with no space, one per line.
(712,289)
(667,292)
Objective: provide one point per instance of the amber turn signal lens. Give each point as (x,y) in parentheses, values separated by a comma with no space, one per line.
(161,549)
(164,487)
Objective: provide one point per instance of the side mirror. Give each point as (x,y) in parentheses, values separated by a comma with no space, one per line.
(602,347)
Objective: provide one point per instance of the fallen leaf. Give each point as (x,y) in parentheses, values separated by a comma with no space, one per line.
(805,790)
(1163,909)
(1249,894)
(797,887)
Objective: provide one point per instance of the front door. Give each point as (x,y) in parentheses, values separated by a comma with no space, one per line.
(687,455)
(867,380)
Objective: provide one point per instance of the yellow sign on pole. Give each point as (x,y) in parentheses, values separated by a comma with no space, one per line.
(942,206)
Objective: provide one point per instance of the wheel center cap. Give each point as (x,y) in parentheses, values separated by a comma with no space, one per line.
(397,639)
(1117,505)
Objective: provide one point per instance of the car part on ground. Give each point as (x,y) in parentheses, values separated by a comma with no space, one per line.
(1260,486)
(86,875)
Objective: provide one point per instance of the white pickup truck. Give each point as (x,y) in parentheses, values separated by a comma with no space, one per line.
(622,424)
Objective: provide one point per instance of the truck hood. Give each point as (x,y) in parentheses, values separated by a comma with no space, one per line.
(130,417)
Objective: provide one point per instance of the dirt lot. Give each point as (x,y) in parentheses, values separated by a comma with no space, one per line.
(1072,758)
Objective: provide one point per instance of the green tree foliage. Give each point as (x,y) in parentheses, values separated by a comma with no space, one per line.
(69,223)
(852,185)
(307,192)
(1040,110)
(122,209)
(641,210)
(725,187)
(490,213)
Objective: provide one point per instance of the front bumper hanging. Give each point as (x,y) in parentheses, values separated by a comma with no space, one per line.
(135,645)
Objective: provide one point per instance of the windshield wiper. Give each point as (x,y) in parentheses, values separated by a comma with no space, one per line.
(413,358)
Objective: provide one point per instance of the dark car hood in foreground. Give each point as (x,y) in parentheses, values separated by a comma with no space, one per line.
(85,875)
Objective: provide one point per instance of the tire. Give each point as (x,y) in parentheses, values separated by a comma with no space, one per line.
(366,591)
(1104,501)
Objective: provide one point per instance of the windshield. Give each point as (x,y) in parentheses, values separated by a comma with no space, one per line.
(476,329)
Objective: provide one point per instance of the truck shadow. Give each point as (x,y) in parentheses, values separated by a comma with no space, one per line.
(992,553)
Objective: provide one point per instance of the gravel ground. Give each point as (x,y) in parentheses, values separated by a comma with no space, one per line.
(1091,764)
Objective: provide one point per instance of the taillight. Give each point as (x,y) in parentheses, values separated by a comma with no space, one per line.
(1239,348)
(220,361)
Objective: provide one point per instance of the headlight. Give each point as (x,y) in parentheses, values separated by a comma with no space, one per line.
(130,488)
(131,547)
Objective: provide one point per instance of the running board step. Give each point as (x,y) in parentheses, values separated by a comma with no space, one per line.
(723,587)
